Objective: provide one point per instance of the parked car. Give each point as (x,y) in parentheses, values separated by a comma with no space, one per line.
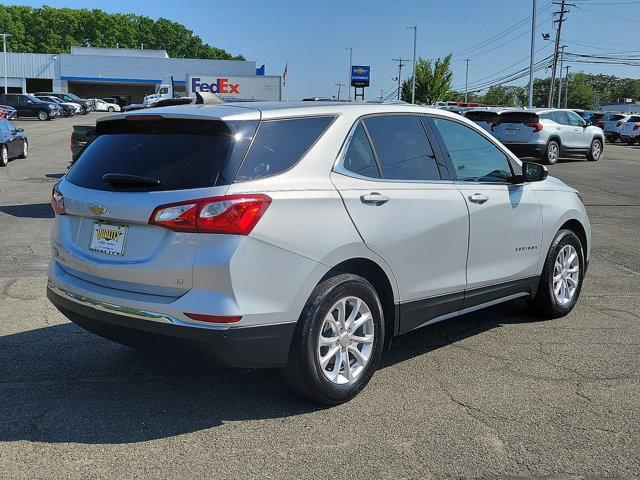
(29,106)
(484,117)
(68,109)
(630,133)
(80,135)
(13,142)
(596,118)
(7,112)
(613,126)
(102,106)
(111,100)
(548,134)
(87,105)
(304,237)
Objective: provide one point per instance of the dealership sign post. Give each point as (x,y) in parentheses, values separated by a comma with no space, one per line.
(360,75)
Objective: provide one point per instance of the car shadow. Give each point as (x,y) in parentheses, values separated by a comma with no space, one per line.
(54,175)
(64,385)
(30,210)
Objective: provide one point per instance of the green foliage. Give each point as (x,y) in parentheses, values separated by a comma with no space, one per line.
(581,93)
(508,96)
(433,81)
(56,30)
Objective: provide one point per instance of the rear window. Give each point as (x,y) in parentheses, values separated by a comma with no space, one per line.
(634,119)
(518,117)
(180,154)
(279,144)
(480,116)
(613,118)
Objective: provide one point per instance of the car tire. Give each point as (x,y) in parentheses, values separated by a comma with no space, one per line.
(4,156)
(84,110)
(326,364)
(552,152)
(43,115)
(561,279)
(110,109)
(595,151)
(631,142)
(25,150)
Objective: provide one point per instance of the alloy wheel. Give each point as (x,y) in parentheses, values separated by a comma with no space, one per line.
(5,157)
(552,153)
(596,150)
(345,343)
(566,275)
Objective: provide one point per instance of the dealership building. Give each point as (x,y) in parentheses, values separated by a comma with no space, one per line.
(128,74)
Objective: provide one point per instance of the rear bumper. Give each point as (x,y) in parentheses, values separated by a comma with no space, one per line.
(263,346)
(525,149)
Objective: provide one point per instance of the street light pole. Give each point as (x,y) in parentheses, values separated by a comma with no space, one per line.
(413,83)
(339,85)
(466,82)
(566,87)
(4,50)
(533,48)
(560,77)
(350,68)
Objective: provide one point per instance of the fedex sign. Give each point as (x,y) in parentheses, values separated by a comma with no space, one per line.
(219,86)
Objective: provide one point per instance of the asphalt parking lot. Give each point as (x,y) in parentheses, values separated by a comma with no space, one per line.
(491,394)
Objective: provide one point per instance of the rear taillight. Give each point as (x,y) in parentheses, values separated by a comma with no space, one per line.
(636,126)
(231,214)
(535,125)
(57,201)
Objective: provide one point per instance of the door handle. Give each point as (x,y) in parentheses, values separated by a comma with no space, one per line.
(374,198)
(478,198)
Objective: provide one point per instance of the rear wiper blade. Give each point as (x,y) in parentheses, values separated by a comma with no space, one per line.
(125,180)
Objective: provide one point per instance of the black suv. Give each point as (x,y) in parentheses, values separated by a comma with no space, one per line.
(30,106)
(87,104)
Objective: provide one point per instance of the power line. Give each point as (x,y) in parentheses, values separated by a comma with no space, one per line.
(608,14)
(499,35)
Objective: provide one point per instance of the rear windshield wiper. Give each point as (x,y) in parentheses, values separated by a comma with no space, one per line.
(124,180)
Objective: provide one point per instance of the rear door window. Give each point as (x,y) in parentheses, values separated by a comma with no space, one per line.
(402,148)
(280,144)
(180,154)
(561,118)
(359,157)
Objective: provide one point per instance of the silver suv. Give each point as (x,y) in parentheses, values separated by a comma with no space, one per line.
(548,134)
(304,236)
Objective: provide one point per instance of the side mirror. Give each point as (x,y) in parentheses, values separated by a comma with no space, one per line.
(533,172)
(20,130)
(588,123)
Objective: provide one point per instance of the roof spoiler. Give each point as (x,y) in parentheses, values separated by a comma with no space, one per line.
(207,98)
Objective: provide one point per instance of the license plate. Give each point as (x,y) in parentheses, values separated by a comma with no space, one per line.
(107,238)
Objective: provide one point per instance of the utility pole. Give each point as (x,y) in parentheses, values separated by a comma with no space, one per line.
(4,49)
(560,77)
(400,65)
(562,12)
(466,82)
(413,86)
(350,68)
(566,87)
(339,85)
(533,52)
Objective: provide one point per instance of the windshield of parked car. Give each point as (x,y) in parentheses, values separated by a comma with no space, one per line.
(71,96)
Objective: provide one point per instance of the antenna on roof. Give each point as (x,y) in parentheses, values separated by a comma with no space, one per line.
(207,98)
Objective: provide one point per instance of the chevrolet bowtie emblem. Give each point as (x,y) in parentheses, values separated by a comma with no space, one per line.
(97,210)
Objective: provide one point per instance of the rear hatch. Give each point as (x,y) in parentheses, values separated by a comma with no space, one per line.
(133,165)
(614,123)
(483,118)
(515,127)
(631,126)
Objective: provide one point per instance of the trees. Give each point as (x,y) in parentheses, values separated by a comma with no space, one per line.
(56,30)
(433,81)
(508,96)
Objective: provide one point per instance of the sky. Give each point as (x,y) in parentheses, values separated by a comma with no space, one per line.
(311,37)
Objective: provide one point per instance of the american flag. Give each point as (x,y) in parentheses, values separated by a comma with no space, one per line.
(284,75)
